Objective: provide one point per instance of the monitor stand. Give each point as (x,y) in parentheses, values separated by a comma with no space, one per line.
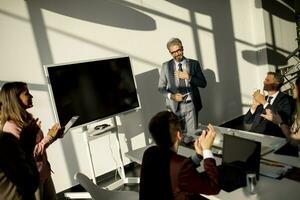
(121,171)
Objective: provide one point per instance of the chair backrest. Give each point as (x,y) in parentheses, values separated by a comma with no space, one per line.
(99,193)
(155,171)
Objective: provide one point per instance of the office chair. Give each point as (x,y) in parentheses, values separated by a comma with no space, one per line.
(98,193)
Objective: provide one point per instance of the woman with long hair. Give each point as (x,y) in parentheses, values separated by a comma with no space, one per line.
(16,99)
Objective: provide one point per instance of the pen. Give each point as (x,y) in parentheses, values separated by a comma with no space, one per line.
(272,164)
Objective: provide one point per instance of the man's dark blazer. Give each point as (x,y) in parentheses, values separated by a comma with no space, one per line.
(167,175)
(282,105)
(167,83)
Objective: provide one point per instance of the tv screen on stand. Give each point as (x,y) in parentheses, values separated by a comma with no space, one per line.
(93,90)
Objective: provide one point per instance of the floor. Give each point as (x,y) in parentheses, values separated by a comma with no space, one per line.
(132,170)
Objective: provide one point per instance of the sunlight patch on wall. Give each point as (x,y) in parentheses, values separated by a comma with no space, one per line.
(208,52)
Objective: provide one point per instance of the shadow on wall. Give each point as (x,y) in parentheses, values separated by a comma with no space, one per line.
(212,103)
(256,57)
(270,55)
(151,100)
(99,12)
(278,9)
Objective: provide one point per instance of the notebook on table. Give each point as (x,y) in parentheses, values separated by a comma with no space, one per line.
(240,156)
(68,125)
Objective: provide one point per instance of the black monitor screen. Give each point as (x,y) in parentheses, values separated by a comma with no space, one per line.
(242,152)
(93,90)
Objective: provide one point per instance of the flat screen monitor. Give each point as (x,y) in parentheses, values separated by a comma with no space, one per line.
(93,90)
(242,152)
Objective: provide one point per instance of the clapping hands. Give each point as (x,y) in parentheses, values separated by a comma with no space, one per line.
(205,140)
(258,98)
(273,117)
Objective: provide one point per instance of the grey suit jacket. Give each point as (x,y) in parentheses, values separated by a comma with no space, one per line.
(167,83)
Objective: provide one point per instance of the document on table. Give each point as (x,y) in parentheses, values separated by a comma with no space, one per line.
(273,169)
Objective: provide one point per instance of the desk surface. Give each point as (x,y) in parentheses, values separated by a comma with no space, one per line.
(267,188)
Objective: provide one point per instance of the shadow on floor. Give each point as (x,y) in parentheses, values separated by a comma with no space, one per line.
(132,170)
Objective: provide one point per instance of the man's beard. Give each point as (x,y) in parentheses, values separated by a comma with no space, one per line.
(179,58)
(271,87)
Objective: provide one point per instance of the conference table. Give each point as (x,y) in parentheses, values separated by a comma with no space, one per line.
(267,188)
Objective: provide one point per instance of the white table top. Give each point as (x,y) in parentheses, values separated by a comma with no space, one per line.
(267,188)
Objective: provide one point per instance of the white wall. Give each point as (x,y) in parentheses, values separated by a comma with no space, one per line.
(225,36)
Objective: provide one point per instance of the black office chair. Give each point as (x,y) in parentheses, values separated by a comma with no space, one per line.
(98,193)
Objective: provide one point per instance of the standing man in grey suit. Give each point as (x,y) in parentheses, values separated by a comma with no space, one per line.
(179,81)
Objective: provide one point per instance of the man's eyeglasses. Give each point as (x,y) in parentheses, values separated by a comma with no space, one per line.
(176,51)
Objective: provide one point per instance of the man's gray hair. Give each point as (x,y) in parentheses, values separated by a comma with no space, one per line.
(174,41)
